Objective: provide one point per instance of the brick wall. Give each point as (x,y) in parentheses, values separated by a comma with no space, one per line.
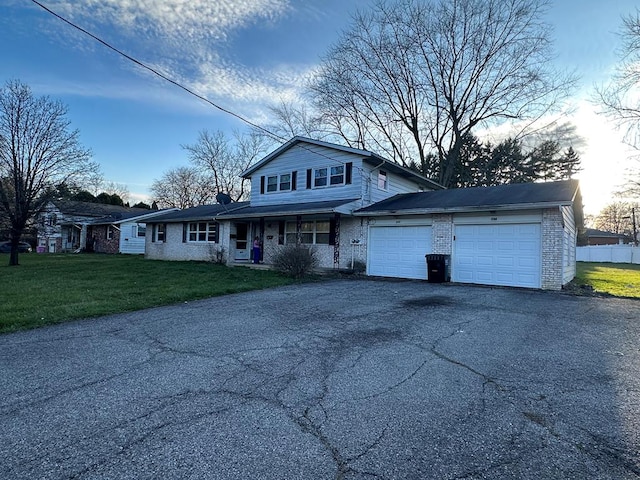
(350,229)
(552,236)
(442,234)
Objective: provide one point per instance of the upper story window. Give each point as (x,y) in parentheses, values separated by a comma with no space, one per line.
(285,182)
(49,220)
(328,176)
(382,180)
(202,232)
(278,183)
(272,183)
(337,175)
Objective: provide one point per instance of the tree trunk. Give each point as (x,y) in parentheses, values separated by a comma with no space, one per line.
(13,256)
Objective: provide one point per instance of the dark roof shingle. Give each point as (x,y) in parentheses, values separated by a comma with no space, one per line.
(501,196)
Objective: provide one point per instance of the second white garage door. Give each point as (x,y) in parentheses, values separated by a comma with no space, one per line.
(399,251)
(497,255)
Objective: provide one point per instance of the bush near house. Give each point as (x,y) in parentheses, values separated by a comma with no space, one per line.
(46,289)
(296,261)
(618,279)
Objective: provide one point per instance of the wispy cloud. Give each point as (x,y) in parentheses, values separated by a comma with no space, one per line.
(188,41)
(195,19)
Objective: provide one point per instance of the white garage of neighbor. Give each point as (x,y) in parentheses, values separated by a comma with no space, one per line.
(398,250)
(519,235)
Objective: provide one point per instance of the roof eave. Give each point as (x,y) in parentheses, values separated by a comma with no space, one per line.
(463,209)
(319,211)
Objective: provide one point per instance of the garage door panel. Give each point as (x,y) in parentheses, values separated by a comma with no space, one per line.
(398,251)
(506,255)
(505,262)
(484,261)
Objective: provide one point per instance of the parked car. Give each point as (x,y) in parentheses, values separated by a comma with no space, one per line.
(23,247)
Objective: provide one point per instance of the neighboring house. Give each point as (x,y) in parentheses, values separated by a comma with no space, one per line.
(600,237)
(71,226)
(305,191)
(353,205)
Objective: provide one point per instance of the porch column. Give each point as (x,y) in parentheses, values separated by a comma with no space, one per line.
(262,239)
(83,236)
(299,230)
(336,242)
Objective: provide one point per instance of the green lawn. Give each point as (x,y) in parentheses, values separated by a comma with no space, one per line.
(46,289)
(619,279)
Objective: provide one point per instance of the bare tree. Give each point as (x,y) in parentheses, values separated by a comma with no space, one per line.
(414,76)
(182,187)
(119,189)
(616,218)
(620,99)
(224,161)
(290,120)
(37,152)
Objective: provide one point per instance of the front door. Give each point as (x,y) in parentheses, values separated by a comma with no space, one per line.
(243,248)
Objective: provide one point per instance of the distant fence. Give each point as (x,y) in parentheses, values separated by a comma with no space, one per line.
(608,253)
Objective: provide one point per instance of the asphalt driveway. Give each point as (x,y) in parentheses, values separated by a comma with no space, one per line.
(345,379)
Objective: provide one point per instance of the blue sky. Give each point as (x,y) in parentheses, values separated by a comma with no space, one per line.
(243,55)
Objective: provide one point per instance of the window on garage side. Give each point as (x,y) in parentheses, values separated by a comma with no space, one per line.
(382,180)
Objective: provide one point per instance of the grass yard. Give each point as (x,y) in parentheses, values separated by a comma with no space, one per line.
(46,289)
(619,279)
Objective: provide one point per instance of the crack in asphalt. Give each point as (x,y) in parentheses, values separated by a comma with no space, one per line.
(296,379)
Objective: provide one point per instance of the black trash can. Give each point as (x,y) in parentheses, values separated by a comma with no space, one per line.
(437,267)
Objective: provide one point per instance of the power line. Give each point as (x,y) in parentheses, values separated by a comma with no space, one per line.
(159,74)
(186,89)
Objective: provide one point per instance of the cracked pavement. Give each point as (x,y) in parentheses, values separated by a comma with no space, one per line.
(341,379)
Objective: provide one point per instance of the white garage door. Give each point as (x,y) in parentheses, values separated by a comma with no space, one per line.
(399,251)
(497,255)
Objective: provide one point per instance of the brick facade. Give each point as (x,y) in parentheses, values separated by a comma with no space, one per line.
(442,234)
(350,229)
(552,236)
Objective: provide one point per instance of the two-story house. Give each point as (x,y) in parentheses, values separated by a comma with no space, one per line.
(353,205)
(305,191)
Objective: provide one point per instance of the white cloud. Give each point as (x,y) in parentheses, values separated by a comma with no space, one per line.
(179,18)
(184,40)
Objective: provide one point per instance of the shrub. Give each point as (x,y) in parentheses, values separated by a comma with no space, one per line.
(359,267)
(296,261)
(217,254)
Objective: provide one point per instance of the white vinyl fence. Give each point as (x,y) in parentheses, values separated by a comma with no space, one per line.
(608,253)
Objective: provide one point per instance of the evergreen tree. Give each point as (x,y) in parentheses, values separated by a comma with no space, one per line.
(569,163)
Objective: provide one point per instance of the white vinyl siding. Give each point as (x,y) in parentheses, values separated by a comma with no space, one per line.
(298,159)
(395,185)
(569,238)
(134,240)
